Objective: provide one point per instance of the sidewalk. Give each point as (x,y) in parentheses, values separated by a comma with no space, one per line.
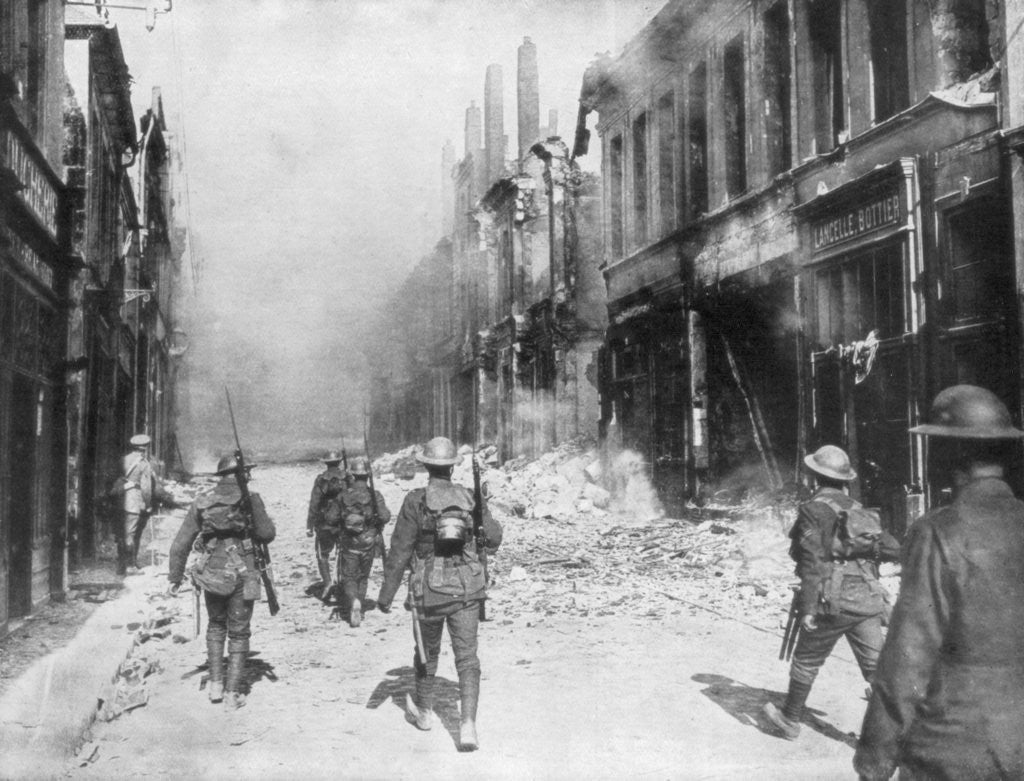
(46,713)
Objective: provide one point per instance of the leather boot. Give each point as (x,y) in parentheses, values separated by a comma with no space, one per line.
(215,663)
(325,576)
(787,720)
(418,711)
(237,651)
(469,691)
(355,613)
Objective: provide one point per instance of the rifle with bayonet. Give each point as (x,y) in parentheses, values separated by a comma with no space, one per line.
(792,628)
(478,530)
(344,460)
(261,553)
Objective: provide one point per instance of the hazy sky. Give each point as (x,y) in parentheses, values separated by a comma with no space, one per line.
(313,132)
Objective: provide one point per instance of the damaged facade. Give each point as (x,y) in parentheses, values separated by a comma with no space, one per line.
(85,296)
(808,231)
(516,311)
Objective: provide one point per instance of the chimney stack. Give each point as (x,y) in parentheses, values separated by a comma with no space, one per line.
(473,131)
(494,124)
(528,97)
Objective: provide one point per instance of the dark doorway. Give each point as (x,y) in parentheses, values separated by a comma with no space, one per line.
(22,483)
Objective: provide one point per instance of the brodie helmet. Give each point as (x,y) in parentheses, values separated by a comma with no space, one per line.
(968,412)
(831,461)
(227,465)
(452,528)
(359,466)
(334,457)
(440,451)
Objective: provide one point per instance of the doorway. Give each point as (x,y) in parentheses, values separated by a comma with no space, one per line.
(22,455)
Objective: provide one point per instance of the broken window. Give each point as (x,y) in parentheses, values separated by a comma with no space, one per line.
(889,78)
(666,162)
(735,98)
(615,164)
(777,88)
(860,294)
(640,178)
(981,272)
(827,70)
(697,132)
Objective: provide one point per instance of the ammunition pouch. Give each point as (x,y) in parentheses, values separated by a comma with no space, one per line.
(224,563)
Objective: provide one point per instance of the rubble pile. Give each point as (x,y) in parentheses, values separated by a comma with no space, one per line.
(586,539)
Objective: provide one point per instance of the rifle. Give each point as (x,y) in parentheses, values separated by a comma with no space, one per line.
(373,493)
(792,628)
(478,530)
(344,459)
(261,554)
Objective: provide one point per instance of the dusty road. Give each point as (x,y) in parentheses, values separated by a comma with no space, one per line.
(617,692)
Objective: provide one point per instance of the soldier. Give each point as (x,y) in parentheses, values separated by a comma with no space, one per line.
(226,571)
(837,545)
(324,516)
(141,491)
(364,516)
(948,697)
(434,535)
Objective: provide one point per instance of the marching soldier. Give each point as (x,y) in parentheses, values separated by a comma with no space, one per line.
(948,697)
(226,571)
(364,515)
(324,516)
(434,535)
(837,545)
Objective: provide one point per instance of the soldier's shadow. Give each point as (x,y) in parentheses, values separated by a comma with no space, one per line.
(403,681)
(745,703)
(255,670)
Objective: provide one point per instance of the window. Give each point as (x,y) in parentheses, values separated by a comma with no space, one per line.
(640,178)
(980,269)
(777,86)
(697,141)
(666,162)
(615,163)
(735,99)
(889,81)
(827,66)
(860,294)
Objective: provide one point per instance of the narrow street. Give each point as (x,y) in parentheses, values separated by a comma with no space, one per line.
(651,688)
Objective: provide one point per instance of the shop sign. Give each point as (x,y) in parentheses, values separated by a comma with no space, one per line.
(27,257)
(38,192)
(857,221)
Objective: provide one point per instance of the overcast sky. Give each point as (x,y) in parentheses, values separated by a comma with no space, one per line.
(313,132)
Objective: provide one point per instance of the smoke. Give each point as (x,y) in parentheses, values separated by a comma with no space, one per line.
(633,493)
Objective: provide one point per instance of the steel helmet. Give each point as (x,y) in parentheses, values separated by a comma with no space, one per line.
(334,457)
(451,528)
(359,466)
(227,465)
(440,451)
(968,412)
(831,461)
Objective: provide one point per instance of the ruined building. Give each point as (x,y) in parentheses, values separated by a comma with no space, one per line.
(520,312)
(808,230)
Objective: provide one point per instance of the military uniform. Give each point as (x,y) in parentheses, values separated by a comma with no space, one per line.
(948,696)
(359,535)
(840,594)
(226,570)
(446,587)
(324,517)
(142,490)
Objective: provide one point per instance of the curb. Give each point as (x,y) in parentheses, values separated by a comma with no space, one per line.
(47,712)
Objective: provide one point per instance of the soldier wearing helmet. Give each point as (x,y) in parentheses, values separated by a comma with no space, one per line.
(217,528)
(837,545)
(948,696)
(434,536)
(323,518)
(363,517)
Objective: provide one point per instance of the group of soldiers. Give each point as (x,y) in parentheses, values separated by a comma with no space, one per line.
(946,695)
(434,538)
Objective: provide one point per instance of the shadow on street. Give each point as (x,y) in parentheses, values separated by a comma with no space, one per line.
(403,681)
(745,703)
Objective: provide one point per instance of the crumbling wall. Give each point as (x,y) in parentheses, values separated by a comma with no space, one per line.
(961,31)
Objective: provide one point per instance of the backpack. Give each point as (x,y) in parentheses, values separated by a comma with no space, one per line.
(332,508)
(454,572)
(858,530)
(356,510)
(851,586)
(222,518)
